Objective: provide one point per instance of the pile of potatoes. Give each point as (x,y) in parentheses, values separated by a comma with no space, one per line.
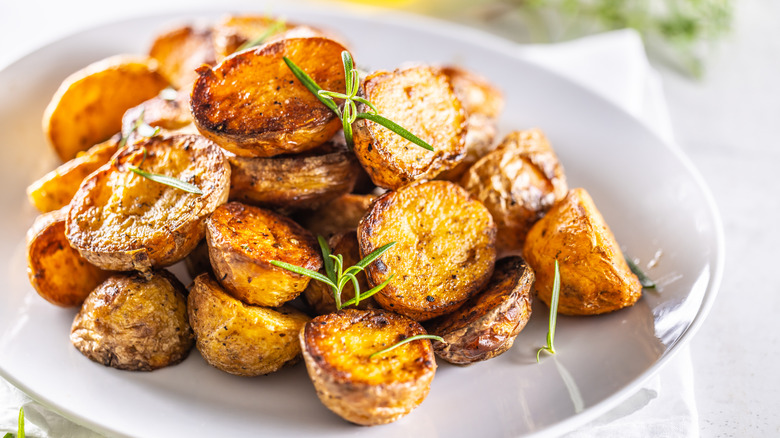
(273,172)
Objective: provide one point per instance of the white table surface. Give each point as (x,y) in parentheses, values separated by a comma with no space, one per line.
(728,123)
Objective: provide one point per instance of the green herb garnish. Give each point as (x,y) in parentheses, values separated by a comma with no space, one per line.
(20,428)
(409,339)
(644,280)
(349,113)
(141,127)
(276,26)
(164,179)
(337,276)
(553,313)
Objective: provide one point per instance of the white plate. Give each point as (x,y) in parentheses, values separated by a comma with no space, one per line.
(649,193)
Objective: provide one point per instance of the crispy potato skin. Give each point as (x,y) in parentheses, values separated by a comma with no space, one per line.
(421,100)
(488,323)
(340,215)
(242,339)
(197,262)
(132,323)
(57,272)
(182,50)
(55,189)
(293,182)
(243,240)
(252,105)
(444,252)
(595,277)
(88,106)
(167,114)
(121,221)
(320,295)
(336,349)
(518,182)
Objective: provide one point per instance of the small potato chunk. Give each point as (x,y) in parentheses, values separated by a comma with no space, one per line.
(168,114)
(243,240)
(595,277)
(518,182)
(242,339)
(293,182)
(488,323)
(55,189)
(320,296)
(182,50)
(57,272)
(121,221)
(421,100)
(339,215)
(337,349)
(197,262)
(252,104)
(444,252)
(133,323)
(88,106)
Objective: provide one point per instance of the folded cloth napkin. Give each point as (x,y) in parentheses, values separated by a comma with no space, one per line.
(613,65)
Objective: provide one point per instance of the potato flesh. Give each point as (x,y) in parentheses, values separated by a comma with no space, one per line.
(595,277)
(444,252)
(182,50)
(168,114)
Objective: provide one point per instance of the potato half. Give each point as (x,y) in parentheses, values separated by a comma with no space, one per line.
(88,106)
(180,51)
(57,272)
(337,349)
(121,221)
(242,339)
(444,252)
(161,111)
(518,182)
(339,215)
(252,105)
(55,189)
(488,323)
(595,277)
(421,100)
(232,31)
(243,240)
(133,323)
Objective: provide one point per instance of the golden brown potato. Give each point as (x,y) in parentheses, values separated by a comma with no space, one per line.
(320,296)
(161,111)
(133,323)
(55,189)
(337,349)
(242,339)
(421,100)
(121,221)
(197,262)
(488,323)
(339,215)
(444,252)
(56,271)
(243,240)
(287,183)
(182,50)
(233,31)
(518,182)
(88,106)
(252,105)
(594,275)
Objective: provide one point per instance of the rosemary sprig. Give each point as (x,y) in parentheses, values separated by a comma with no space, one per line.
(348,112)
(409,339)
(141,127)
(164,179)
(338,277)
(553,313)
(276,26)
(644,280)
(20,428)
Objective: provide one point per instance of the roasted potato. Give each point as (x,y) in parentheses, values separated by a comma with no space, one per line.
(595,277)
(233,31)
(444,252)
(197,262)
(57,272)
(488,323)
(242,339)
(182,50)
(119,220)
(320,296)
(55,189)
(518,182)
(339,215)
(252,104)
(364,390)
(161,111)
(88,106)
(243,240)
(421,100)
(287,183)
(133,323)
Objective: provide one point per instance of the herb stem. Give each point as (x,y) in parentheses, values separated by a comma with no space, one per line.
(644,280)
(407,340)
(550,348)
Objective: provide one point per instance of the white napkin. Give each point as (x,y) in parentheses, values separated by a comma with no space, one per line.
(614,65)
